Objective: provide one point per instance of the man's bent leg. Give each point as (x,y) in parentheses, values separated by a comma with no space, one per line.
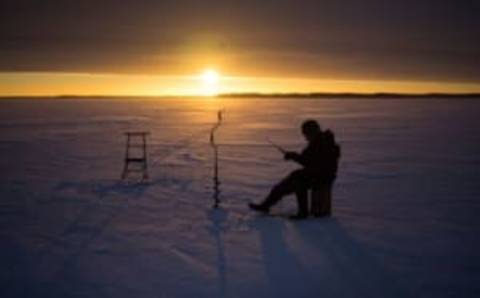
(294,182)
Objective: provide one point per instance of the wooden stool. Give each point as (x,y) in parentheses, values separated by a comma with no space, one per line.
(321,201)
(136,154)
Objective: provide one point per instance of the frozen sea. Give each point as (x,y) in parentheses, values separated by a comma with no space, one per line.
(406,205)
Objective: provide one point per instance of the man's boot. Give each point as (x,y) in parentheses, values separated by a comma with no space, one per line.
(299,216)
(259,207)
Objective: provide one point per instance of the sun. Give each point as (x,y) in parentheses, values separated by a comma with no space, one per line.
(210,79)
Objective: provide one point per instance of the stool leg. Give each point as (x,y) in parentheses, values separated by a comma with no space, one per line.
(125,170)
(315,202)
(125,166)
(326,207)
(145,173)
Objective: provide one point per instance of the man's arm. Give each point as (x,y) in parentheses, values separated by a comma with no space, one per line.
(298,158)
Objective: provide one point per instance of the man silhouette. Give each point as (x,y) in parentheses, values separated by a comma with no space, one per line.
(319,162)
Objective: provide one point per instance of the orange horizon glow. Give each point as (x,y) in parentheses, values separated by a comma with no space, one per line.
(207,83)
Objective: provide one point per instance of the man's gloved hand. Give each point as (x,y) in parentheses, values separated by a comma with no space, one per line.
(290,155)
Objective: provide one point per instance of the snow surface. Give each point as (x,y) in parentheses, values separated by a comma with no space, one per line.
(406,204)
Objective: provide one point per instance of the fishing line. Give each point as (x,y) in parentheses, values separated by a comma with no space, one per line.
(180,145)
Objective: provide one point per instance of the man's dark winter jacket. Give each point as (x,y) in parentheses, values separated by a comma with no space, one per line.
(320,157)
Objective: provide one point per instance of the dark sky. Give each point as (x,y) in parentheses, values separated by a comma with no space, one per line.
(413,40)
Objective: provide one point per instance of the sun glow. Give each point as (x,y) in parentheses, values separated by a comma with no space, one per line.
(210,79)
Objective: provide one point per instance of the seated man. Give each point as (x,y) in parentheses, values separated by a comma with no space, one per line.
(319,166)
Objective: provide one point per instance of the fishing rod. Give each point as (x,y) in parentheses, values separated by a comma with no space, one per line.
(276,146)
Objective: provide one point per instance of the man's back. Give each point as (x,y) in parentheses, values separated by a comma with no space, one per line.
(320,157)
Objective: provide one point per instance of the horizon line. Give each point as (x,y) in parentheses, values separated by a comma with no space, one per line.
(253,94)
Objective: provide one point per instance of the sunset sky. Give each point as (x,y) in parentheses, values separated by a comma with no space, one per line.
(165,47)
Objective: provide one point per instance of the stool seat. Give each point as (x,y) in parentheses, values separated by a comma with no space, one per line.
(137,133)
(140,159)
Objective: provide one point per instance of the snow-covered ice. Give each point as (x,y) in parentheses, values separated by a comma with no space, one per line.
(406,204)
